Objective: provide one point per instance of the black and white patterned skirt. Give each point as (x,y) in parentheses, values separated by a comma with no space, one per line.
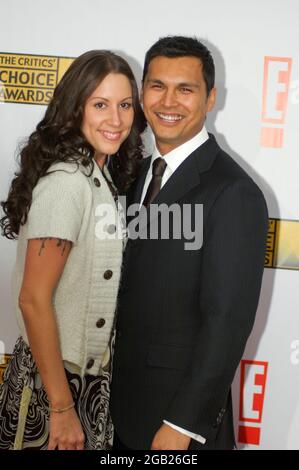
(24,407)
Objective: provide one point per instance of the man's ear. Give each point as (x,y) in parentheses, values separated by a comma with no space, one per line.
(141,95)
(211,99)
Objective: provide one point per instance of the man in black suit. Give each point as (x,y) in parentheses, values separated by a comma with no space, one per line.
(184,315)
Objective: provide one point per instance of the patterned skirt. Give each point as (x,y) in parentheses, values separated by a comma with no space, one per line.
(24,407)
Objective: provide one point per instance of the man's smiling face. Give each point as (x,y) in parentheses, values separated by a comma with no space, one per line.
(175,100)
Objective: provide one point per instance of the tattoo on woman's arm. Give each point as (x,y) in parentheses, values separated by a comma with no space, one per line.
(60,243)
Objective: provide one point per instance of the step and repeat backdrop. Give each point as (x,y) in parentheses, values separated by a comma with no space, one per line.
(256,120)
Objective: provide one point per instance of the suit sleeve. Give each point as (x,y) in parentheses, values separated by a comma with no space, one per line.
(231,275)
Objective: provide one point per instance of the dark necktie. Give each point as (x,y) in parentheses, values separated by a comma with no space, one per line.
(159,166)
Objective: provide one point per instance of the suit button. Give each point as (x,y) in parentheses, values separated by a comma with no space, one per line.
(111,229)
(218,420)
(90,364)
(100,323)
(108,274)
(216,425)
(97,182)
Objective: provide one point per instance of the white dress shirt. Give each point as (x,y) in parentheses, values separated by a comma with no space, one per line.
(174,160)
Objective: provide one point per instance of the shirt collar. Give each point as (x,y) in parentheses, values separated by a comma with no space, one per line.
(179,154)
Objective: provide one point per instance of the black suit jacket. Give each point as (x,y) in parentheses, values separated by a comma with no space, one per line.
(184,316)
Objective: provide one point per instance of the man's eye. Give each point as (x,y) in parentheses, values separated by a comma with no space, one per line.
(157,86)
(185,90)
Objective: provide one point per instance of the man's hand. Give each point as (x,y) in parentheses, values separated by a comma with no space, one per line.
(168,438)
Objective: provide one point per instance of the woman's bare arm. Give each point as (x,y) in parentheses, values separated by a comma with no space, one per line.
(45,261)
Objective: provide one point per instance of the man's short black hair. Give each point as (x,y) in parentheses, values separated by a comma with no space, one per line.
(182,46)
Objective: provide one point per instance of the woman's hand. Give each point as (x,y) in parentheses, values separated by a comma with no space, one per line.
(65,431)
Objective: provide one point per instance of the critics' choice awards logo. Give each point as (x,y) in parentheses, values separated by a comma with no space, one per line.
(283,244)
(3,364)
(4,360)
(30,79)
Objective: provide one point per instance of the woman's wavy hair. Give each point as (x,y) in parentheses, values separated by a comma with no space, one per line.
(58,137)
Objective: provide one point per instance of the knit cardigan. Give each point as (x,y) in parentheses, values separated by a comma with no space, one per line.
(69,205)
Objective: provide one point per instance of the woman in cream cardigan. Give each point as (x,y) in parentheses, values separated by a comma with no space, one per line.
(55,393)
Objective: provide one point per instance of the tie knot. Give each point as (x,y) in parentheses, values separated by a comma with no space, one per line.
(159,166)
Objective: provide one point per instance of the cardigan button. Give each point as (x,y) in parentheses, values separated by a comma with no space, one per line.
(97,182)
(90,364)
(108,274)
(100,323)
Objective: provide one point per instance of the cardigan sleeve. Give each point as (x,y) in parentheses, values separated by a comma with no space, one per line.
(57,206)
